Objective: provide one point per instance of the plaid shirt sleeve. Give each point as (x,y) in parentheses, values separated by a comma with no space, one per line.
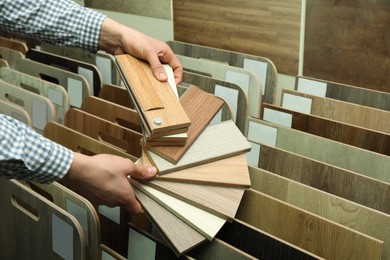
(27,155)
(59,22)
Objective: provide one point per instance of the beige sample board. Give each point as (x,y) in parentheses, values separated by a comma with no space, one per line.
(11,56)
(348,93)
(246,79)
(368,117)
(35,228)
(355,159)
(261,66)
(15,111)
(4,63)
(40,109)
(308,231)
(56,93)
(207,148)
(14,45)
(342,211)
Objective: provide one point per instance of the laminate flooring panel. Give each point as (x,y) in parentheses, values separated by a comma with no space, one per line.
(335,130)
(246,79)
(57,94)
(308,231)
(341,211)
(116,95)
(328,178)
(355,159)
(31,220)
(367,117)
(200,108)
(100,129)
(348,93)
(14,45)
(262,66)
(207,148)
(11,56)
(15,111)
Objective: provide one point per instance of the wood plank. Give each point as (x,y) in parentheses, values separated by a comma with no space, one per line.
(116,95)
(207,148)
(355,159)
(200,108)
(15,111)
(341,211)
(363,116)
(39,108)
(308,231)
(76,85)
(180,236)
(103,130)
(264,28)
(348,93)
(54,92)
(335,130)
(246,79)
(29,225)
(11,56)
(14,45)
(155,99)
(207,224)
(89,71)
(261,66)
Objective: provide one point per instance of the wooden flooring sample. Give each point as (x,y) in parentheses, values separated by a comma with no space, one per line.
(14,45)
(207,148)
(200,108)
(328,178)
(159,108)
(202,221)
(105,131)
(4,63)
(368,117)
(341,211)
(11,56)
(15,111)
(308,231)
(180,235)
(116,95)
(335,130)
(348,93)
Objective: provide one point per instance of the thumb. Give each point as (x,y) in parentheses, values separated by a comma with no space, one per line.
(158,69)
(143,172)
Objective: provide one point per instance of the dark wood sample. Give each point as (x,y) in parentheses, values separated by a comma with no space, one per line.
(116,95)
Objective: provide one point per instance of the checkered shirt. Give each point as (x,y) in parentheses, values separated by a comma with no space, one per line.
(59,22)
(27,155)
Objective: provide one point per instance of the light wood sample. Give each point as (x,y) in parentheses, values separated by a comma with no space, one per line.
(335,130)
(372,118)
(14,45)
(207,148)
(155,100)
(26,229)
(103,130)
(235,59)
(11,56)
(200,108)
(348,93)
(15,111)
(4,63)
(308,231)
(342,211)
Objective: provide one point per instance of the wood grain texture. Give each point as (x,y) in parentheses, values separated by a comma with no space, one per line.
(263,28)
(56,93)
(335,130)
(154,99)
(39,108)
(308,231)
(341,211)
(210,84)
(116,95)
(353,94)
(105,131)
(207,148)
(15,111)
(152,8)
(352,34)
(25,235)
(248,81)
(200,108)
(355,159)
(363,116)
(61,195)
(207,224)
(14,45)
(54,75)
(235,59)
(337,181)
(112,112)
(11,56)
(260,244)
(72,65)
(180,236)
